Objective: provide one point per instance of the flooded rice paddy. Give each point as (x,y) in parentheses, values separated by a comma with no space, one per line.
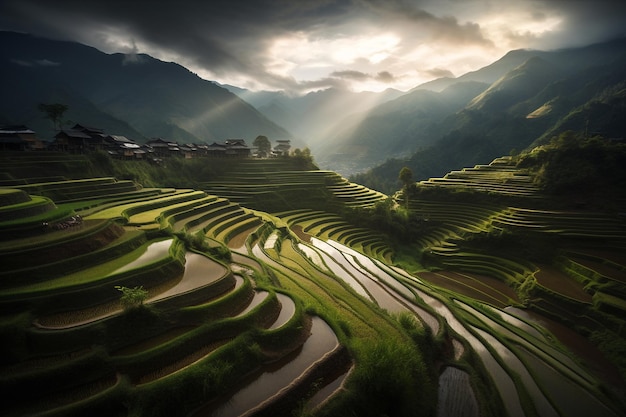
(276,377)
(154,251)
(258,298)
(199,271)
(456,396)
(287,310)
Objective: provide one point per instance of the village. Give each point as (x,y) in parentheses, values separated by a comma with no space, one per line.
(82,139)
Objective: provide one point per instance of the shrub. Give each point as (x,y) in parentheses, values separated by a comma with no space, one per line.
(132,297)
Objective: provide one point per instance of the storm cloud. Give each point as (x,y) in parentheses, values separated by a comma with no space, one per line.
(313,44)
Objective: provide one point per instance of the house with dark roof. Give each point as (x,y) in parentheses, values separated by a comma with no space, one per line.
(237,148)
(119,146)
(216,150)
(163,148)
(19,138)
(72,141)
(282,148)
(97,137)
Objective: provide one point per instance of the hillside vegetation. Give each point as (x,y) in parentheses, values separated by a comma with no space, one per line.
(544,95)
(270,287)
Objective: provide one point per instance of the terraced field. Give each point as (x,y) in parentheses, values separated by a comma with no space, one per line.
(262,299)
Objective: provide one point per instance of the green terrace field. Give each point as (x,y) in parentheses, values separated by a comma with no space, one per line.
(259,292)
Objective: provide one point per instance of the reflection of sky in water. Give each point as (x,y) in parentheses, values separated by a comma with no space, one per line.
(256,300)
(337,264)
(199,271)
(512,362)
(321,341)
(154,251)
(287,309)
(502,380)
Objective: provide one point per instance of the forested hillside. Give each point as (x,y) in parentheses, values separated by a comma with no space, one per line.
(529,104)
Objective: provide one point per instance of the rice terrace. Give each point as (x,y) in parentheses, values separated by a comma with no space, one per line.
(269,287)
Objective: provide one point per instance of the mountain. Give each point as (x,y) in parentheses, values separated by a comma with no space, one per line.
(134,95)
(396,128)
(488,74)
(580,89)
(313,117)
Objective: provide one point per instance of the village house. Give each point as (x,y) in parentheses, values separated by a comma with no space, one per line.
(19,138)
(188,151)
(163,148)
(119,146)
(96,135)
(71,141)
(232,148)
(237,148)
(79,139)
(282,148)
(216,150)
(82,139)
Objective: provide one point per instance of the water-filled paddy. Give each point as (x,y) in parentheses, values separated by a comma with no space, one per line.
(479,287)
(154,251)
(287,310)
(455,394)
(577,344)
(337,264)
(258,298)
(277,376)
(199,271)
(503,382)
(560,283)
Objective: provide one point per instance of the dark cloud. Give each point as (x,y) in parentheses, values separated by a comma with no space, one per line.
(385,77)
(586,22)
(352,75)
(382,76)
(413,18)
(439,73)
(231,37)
(220,35)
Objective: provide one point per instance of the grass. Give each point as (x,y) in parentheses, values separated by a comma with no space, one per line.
(95,274)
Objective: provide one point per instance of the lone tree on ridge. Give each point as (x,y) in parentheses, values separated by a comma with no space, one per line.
(263,144)
(54,112)
(406,178)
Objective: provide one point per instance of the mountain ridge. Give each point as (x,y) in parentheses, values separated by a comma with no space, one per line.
(509,104)
(154,97)
(504,119)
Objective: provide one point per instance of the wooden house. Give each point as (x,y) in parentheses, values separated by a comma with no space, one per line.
(96,137)
(282,148)
(216,150)
(163,148)
(237,148)
(119,146)
(72,141)
(19,138)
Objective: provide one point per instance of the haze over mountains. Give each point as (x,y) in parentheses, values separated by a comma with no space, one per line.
(525,97)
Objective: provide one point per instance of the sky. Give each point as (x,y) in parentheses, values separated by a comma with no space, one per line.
(307,45)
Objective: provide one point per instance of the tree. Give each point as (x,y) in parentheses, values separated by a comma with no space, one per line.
(406,178)
(263,144)
(54,112)
(132,297)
